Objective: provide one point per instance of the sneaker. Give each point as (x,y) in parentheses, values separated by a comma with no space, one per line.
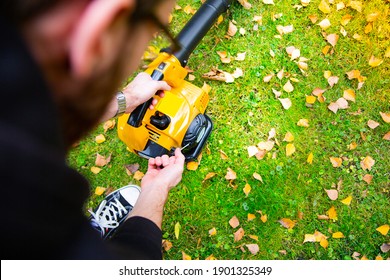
(113,210)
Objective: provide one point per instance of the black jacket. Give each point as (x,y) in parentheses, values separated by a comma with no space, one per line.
(42,199)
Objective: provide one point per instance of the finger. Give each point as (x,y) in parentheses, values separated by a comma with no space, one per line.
(161,94)
(162,85)
(179,156)
(158,161)
(165,160)
(152,163)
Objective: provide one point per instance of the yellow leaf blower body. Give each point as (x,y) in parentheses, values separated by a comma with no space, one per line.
(178,119)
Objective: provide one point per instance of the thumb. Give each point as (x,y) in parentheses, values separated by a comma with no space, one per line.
(161,85)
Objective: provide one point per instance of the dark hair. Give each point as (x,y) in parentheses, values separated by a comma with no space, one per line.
(20,11)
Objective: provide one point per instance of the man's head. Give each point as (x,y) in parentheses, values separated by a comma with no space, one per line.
(86,49)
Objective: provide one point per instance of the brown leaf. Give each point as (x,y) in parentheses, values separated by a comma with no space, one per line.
(332,194)
(239,234)
(336,162)
(101,160)
(234,222)
(385,247)
(209,176)
(223,155)
(230,175)
(367,163)
(287,223)
(167,245)
(322,217)
(132,168)
(253,248)
(110,124)
(387,136)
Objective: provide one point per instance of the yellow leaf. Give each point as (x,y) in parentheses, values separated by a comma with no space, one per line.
(99,190)
(303,122)
(352,146)
(209,176)
(364,258)
(313,18)
(327,74)
(324,243)
(189,10)
(319,236)
(347,201)
(110,124)
(325,50)
(254,237)
(367,163)
(374,62)
(185,256)
(288,137)
(211,258)
(336,162)
(212,231)
(387,53)
(95,169)
(372,17)
(332,214)
(269,2)
(338,235)
(223,155)
(230,175)
(324,7)
(310,99)
(378,258)
(385,117)
(309,238)
(349,94)
(251,217)
(346,19)
(247,189)
(192,165)
(368,28)
(100,138)
(206,88)
(383,229)
(177,230)
(138,175)
(167,245)
(220,19)
(310,158)
(264,218)
(234,222)
(356,5)
(287,223)
(353,74)
(290,149)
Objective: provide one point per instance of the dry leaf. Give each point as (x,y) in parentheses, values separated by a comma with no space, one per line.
(101,160)
(211,258)
(191,77)
(336,162)
(322,217)
(288,137)
(269,2)
(383,229)
(268,78)
(254,237)
(257,177)
(288,87)
(223,155)
(212,231)
(277,93)
(313,18)
(372,124)
(346,19)
(247,189)
(303,123)
(343,31)
(110,124)
(209,176)
(167,245)
(290,149)
(177,230)
(189,10)
(367,163)
(238,73)
(342,103)
(240,56)
(374,62)
(332,39)
(333,80)
(99,190)
(332,214)
(253,248)
(138,175)
(280,74)
(286,102)
(206,88)
(251,217)
(385,117)
(349,94)
(332,194)
(356,5)
(367,178)
(239,234)
(100,138)
(372,17)
(324,243)
(245,4)
(334,107)
(252,150)
(95,169)
(347,201)
(310,99)
(324,7)
(266,145)
(185,256)
(387,136)
(234,222)
(232,29)
(338,235)
(385,247)
(287,223)
(230,175)
(310,158)
(264,218)
(352,146)
(131,168)
(325,24)
(192,165)
(309,238)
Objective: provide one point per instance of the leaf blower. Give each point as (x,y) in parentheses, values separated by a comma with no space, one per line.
(178,120)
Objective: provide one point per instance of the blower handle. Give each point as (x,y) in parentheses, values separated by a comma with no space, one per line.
(200,23)
(138,114)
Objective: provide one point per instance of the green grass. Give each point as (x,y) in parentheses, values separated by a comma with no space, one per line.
(244,112)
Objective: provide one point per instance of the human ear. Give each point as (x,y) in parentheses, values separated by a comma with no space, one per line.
(91,44)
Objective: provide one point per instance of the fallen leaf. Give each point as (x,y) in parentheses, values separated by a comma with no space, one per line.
(343,31)
(332,214)
(264,218)
(342,103)
(332,39)
(266,145)
(247,189)
(110,124)
(95,169)
(245,4)
(286,102)
(223,155)
(324,7)
(347,201)
(269,2)
(367,163)
(101,160)
(356,5)
(313,18)
(367,178)
(332,194)
(280,74)
(192,165)
(138,175)
(353,74)
(232,30)
(372,17)
(333,80)
(211,258)
(212,231)
(310,158)
(252,150)
(385,247)
(254,237)
(356,255)
(346,19)
(310,99)
(334,107)
(352,146)
(387,136)
(185,257)
(268,78)
(277,93)
(272,133)
(384,229)
(177,230)
(322,217)
(378,258)
(240,56)
(290,149)
(209,176)
(374,62)
(349,94)
(288,87)
(99,190)
(385,117)
(167,245)
(340,6)
(368,28)
(253,248)
(284,29)
(238,73)
(234,222)
(230,175)
(303,123)
(288,137)
(372,124)
(239,234)
(338,234)
(287,223)
(132,168)
(100,138)
(305,3)
(309,238)
(189,10)
(324,24)
(257,177)
(336,162)
(251,217)
(324,243)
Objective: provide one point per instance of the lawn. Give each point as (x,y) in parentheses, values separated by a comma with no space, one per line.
(320,192)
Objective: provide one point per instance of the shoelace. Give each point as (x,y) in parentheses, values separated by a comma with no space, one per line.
(106,215)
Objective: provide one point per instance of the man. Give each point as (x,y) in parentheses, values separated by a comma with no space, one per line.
(61,62)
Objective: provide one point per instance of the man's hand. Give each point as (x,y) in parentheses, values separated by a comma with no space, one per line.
(164,171)
(141,89)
